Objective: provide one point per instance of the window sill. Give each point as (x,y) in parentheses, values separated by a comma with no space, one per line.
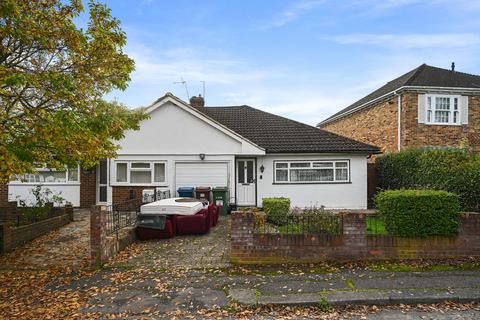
(16,183)
(443,124)
(119,184)
(327,182)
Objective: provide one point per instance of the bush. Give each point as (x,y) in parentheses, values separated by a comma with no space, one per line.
(277,210)
(452,170)
(412,213)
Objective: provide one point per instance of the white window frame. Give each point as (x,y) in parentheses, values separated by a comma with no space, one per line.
(451,110)
(46,169)
(130,169)
(310,162)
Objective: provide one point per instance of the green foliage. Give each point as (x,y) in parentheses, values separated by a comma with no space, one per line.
(453,170)
(413,213)
(277,210)
(376,225)
(53,76)
(43,203)
(318,219)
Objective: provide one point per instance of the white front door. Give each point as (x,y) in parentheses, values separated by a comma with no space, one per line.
(246,182)
(102,182)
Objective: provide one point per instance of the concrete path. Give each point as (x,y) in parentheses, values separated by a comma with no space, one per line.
(360,288)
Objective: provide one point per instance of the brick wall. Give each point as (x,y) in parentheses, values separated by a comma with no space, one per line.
(122,194)
(378,125)
(16,236)
(416,134)
(103,247)
(3,195)
(88,188)
(249,247)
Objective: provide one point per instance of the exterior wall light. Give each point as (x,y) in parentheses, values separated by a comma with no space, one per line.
(262,168)
(202,156)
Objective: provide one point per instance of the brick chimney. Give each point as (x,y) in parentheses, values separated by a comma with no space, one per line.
(197,102)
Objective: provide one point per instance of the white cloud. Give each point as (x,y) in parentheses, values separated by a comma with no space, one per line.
(409,41)
(193,64)
(293,12)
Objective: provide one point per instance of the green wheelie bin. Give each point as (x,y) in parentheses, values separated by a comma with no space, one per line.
(221,198)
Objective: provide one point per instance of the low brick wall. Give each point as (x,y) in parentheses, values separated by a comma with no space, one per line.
(103,247)
(249,247)
(12,237)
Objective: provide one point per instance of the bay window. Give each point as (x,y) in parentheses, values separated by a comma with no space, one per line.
(312,171)
(140,172)
(443,109)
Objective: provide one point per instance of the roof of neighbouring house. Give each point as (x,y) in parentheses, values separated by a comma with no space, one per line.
(277,134)
(422,76)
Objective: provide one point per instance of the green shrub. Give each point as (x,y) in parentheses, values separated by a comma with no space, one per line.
(452,170)
(277,210)
(412,213)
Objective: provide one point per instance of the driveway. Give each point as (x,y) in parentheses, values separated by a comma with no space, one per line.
(211,250)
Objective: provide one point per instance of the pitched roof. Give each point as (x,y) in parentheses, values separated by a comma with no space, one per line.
(277,134)
(422,76)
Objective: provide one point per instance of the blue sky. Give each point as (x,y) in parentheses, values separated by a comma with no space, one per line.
(303,59)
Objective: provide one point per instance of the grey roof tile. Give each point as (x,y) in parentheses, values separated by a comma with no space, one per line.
(424,75)
(277,134)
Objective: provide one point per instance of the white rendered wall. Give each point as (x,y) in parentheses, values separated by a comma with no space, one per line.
(172,130)
(171,160)
(351,195)
(22,191)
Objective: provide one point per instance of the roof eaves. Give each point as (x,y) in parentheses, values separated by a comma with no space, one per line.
(399,89)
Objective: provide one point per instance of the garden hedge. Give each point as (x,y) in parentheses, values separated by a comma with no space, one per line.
(277,209)
(419,213)
(453,170)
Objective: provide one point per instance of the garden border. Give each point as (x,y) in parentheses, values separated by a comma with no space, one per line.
(249,247)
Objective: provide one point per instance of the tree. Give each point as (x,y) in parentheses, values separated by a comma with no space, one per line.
(53,77)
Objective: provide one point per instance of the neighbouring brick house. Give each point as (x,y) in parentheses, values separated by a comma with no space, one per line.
(426,107)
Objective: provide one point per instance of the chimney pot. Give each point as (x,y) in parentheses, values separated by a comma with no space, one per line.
(453,66)
(197,102)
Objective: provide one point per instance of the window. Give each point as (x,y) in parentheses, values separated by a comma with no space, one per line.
(443,109)
(122,172)
(140,172)
(47,175)
(312,171)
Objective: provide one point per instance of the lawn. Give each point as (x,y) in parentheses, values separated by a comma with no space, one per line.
(376,225)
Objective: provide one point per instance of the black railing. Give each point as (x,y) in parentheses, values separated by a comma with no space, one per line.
(122,215)
(299,224)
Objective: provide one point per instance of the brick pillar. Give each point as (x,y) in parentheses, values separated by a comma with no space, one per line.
(355,232)
(69,211)
(242,227)
(5,237)
(3,195)
(98,234)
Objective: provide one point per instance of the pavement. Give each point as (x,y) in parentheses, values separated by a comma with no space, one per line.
(359,288)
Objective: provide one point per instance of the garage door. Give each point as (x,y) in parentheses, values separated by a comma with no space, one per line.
(208,174)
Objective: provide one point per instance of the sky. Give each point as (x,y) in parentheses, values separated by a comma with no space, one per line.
(303,59)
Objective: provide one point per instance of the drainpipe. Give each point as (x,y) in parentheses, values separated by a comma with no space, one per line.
(399,119)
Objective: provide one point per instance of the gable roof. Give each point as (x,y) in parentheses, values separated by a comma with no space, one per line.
(422,76)
(248,145)
(277,134)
